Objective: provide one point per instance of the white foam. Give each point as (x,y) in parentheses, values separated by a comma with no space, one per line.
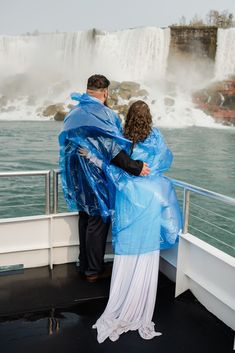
(140,54)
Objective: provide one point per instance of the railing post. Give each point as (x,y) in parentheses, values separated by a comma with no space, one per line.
(47,192)
(186,210)
(55,191)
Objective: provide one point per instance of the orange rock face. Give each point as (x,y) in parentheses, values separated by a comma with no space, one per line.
(218,100)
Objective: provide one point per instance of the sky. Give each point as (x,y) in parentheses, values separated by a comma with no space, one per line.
(22,16)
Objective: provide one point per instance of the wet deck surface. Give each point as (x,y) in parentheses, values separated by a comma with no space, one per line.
(44,312)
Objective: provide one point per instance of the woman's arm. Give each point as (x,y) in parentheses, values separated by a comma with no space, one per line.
(121,160)
(131,166)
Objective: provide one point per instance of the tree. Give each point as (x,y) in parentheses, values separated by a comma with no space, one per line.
(223,19)
(196,21)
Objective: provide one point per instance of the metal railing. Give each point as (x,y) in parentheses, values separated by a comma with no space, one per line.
(187,190)
(56,173)
(45,173)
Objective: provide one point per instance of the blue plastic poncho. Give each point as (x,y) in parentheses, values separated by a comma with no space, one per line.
(145,211)
(94,126)
(147,214)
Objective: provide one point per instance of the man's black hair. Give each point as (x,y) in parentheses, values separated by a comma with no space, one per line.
(97,82)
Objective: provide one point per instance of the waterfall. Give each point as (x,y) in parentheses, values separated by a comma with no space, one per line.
(134,54)
(225,55)
(37,70)
(138,54)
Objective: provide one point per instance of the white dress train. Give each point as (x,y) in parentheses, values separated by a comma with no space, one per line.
(132,297)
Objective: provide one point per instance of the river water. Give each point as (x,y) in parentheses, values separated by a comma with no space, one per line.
(202,156)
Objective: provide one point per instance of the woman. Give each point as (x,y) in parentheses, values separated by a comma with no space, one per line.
(147,218)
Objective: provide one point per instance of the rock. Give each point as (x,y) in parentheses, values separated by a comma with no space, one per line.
(130,86)
(128,89)
(59,116)
(110,103)
(114,85)
(215,98)
(124,94)
(112,99)
(218,101)
(121,109)
(114,96)
(125,91)
(201,96)
(229,101)
(142,93)
(53,109)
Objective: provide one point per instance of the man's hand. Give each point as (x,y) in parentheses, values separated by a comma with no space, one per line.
(145,170)
(83,152)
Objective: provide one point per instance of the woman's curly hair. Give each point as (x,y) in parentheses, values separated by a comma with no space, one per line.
(138,122)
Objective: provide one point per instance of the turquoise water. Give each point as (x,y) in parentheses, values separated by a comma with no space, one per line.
(203,156)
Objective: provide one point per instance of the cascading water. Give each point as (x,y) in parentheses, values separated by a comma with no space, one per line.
(136,54)
(225,62)
(38,70)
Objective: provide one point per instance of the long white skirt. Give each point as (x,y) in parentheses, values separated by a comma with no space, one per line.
(132,297)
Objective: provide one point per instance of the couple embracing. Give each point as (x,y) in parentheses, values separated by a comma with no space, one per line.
(114,175)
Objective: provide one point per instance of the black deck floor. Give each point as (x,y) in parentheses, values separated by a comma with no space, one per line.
(43,311)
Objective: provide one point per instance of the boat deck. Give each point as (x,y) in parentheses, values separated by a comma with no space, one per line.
(53,311)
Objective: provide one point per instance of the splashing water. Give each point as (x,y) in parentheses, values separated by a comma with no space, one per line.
(36,71)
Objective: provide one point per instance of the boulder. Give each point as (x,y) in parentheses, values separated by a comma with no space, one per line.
(130,86)
(128,89)
(112,99)
(59,116)
(121,109)
(142,93)
(229,101)
(53,109)
(114,96)
(110,103)
(218,100)
(124,94)
(114,85)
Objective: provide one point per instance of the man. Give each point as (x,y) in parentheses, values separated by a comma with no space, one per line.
(94,126)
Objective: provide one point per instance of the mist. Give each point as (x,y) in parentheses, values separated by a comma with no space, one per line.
(39,70)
